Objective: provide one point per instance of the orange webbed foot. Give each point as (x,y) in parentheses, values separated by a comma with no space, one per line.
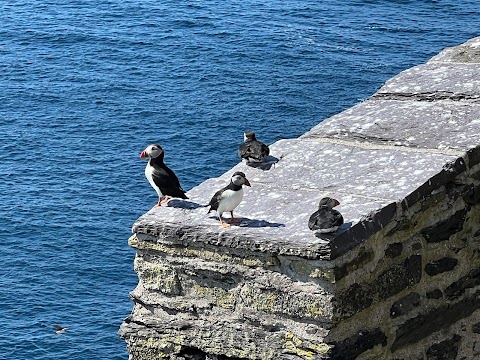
(163,201)
(233,219)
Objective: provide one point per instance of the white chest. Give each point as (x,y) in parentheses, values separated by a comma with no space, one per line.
(230,200)
(149,176)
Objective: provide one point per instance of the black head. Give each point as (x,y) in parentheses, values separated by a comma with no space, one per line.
(249,135)
(152,151)
(328,202)
(239,179)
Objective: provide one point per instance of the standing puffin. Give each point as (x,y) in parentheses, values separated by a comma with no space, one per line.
(228,198)
(252,150)
(160,176)
(326,219)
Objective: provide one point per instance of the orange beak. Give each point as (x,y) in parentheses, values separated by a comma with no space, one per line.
(143,155)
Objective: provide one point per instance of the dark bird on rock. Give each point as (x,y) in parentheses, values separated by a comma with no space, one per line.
(326,219)
(228,198)
(59,329)
(160,176)
(252,150)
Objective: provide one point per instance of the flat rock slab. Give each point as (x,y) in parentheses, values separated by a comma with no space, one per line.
(436,78)
(468,52)
(441,125)
(275,210)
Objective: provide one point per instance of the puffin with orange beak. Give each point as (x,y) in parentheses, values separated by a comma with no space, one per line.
(228,198)
(160,176)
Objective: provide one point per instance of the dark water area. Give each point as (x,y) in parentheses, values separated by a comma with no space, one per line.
(86,85)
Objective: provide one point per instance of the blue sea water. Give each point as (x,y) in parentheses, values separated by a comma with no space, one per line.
(85,85)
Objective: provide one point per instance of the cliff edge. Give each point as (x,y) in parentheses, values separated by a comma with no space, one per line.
(399,280)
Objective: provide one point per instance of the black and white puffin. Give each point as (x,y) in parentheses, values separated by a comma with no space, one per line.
(228,198)
(326,219)
(160,176)
(59,329)
(252,150)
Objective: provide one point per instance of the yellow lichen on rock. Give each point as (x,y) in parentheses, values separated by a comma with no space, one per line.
(305,349)
(220,297)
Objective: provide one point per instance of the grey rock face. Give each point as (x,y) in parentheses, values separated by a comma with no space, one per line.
(399,279)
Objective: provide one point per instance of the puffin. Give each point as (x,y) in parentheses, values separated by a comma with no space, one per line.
(59,329)
(160,176)
(252,150)
(228,198)
(326,219)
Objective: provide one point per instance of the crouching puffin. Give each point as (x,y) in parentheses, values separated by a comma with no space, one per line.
(326,219)
(252,150)
(160,176)
(228,198)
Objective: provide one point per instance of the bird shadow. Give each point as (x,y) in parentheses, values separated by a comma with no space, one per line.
(329,236)
(247,222)
(266,164)
(184,204)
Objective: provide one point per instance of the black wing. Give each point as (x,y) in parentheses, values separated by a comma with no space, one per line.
(168,182)
(216,199)
(244,150)
(312,222)
(253,151)
(325,219)
(338,218)
(265,150)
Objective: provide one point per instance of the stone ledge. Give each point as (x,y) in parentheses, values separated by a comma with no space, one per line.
(399,280)
(275,210)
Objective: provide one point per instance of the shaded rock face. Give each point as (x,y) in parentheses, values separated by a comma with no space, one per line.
(399,280)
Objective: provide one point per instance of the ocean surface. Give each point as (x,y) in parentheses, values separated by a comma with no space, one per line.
(85,85)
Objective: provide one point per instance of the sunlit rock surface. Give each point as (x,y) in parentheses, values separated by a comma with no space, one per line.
(400,279)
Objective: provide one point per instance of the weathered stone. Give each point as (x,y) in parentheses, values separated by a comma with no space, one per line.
(369,224)
(476,328)
(442,230)
(394,250)
(405,305)
(434,294)
(354,299)
(468,52)
(355,345)
(417,246)
(441,265)
(363,257)
(457,289)
(472,197)
(449,172)
(473,156)
(402,123)
(445,350)
(457,81)
(434,320)
(399,277)
(390,282)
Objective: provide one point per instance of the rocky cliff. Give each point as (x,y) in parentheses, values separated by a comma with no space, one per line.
(399,280)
